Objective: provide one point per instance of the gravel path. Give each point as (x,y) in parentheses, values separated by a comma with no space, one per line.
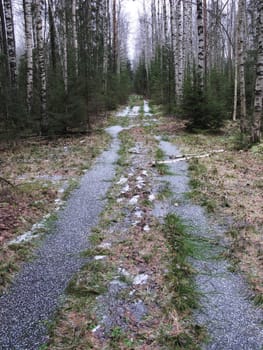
(233,323)
(37,291)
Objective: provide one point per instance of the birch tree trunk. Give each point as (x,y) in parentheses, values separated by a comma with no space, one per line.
(3,42)
(41,65)
(115,34)
(235,66)
(74,34)
(205,36)
(27,4)
(179,49)
(241,58)
(10,40)
(258,100)
(52,35)
(105,10)
(201,43)
(65,46)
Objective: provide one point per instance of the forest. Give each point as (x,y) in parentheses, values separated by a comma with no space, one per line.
(131,174)
(65,63)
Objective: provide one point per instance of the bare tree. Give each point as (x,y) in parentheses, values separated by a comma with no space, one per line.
(40,5)
(27,6)
(241,64)
(10,41)
(258,101)
(201,42)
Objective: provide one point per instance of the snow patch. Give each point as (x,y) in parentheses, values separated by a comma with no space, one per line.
(140,279)
(122,181)
(146,228)
(134,200)
(100,257)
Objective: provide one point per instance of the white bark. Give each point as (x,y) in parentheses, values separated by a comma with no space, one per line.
(74,35)
(258,101)
(65,46)
(241,63)
(105,43)
(178,49)
(10,40)
(201,42)
(41,64)
(29,51)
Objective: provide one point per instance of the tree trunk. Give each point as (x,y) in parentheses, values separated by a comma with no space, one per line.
(201,43)
(74,34)
(41,66)
(241,58)
(3,42)
(52,35)
(205,37)
(235,67)
(115,35)
(65,46)
(105,46)
(179,49)
(29,52)
(258,105)
(10,39)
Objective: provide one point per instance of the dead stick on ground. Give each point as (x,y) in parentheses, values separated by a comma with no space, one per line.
(187,157)
(2,179)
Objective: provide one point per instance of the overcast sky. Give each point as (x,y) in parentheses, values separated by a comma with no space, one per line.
(132,9)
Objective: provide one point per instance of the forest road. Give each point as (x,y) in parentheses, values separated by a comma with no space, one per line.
(231,320)
(26,309)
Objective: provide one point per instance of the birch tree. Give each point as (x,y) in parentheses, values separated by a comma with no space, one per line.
(201,42)
(74,35)
(241,64)
(27,6)
(10,41)
(258,101)
(40,5)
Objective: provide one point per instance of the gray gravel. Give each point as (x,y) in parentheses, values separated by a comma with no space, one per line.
(232,321)
(38,289)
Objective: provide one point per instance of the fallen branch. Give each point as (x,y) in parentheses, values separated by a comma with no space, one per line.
(187,157)
(2,179)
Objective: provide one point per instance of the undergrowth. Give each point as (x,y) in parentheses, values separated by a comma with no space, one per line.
(180,279)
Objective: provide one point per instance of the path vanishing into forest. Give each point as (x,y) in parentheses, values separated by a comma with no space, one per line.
(133,298)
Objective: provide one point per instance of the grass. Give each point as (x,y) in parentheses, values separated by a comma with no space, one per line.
(165,191)
(230,185)
(134,251)
(90,281)
(10,259)
(182,246)
(180,279)
(126,144)
(159,154)
(163,169)
(73,184)
(38,168)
